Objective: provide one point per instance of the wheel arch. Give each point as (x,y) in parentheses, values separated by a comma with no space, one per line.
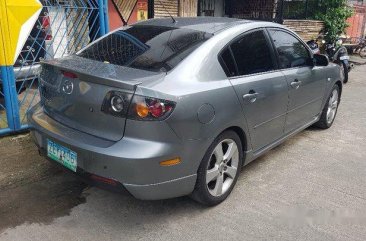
(244,138)
(340,85)
(242,135)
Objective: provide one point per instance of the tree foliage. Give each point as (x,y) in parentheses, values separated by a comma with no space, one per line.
(334,13)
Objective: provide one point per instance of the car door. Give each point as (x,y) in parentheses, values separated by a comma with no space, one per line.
(306,82)
(249,62)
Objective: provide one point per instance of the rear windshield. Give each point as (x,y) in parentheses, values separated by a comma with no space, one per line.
(153,48)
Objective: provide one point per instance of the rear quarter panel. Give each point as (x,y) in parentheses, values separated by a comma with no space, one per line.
(193,136)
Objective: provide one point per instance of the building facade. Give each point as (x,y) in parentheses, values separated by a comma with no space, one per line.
(248,9)
(357,23)
(122,12)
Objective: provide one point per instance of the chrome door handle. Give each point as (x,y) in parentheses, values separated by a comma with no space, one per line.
(251,97)
(296,84)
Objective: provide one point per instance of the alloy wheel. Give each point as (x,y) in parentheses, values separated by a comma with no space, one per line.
(222,167)
(332,106)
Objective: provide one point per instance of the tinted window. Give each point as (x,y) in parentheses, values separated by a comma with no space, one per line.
(252,54)
(291,52)
(154,48)
(228,63)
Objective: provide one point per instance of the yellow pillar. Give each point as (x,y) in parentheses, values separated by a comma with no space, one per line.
(17,18)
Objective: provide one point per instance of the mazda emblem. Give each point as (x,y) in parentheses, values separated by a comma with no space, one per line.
(67,87)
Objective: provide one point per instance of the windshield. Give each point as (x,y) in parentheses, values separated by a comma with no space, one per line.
(153,48)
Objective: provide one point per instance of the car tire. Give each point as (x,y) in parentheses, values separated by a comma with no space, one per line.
(330,109)
(344,70)
(222,168)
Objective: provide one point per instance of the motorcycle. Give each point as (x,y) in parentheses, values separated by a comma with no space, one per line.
(336,53)
(314,46)
(361,48)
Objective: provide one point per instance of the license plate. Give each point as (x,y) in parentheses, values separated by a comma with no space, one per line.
(344,58)
(62,155)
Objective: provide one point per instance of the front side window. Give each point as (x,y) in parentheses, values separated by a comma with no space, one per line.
(153,48)
(291,52)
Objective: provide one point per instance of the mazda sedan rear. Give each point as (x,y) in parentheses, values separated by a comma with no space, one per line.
(165,109)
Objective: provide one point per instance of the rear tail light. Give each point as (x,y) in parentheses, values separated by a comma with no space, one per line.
(137,107)
(147,108)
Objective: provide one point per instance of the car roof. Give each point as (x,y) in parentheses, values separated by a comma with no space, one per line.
(204,24)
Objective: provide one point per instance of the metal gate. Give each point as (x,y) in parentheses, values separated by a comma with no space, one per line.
(269,10)
(63,27)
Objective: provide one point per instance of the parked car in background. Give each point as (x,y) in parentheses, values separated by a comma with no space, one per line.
(168,108)
(27,65)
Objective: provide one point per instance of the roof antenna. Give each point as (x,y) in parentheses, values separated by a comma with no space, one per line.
(174,20)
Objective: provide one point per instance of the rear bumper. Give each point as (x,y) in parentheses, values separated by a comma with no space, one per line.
(131,161)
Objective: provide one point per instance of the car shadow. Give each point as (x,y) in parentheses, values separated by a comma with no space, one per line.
(57,194)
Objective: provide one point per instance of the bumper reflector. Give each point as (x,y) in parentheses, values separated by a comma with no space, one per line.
(104,180)
(171,162)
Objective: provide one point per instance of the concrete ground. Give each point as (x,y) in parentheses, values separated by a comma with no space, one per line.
(310,188)
(357,60)
(27,98)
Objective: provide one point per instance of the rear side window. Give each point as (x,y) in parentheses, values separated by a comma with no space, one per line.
(153,48)
(252,54)
(228,63)
(291,52)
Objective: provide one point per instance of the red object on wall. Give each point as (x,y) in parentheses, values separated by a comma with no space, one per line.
(136,11)
(114,17)
(139,12)
(357,23)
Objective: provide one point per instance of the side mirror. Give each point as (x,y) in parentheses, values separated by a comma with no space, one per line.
(310,62)
(321,60)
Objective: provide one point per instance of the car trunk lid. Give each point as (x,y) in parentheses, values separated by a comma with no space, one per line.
(73,90)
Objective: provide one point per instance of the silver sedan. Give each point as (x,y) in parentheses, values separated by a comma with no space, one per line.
(167,108)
